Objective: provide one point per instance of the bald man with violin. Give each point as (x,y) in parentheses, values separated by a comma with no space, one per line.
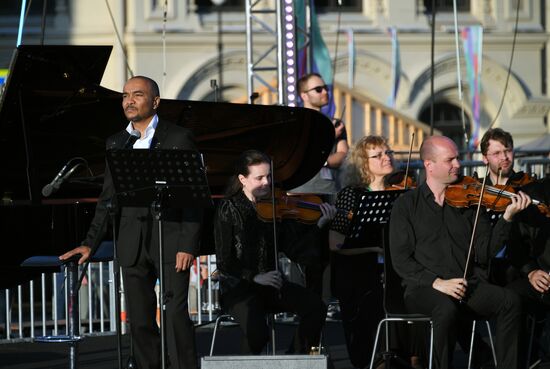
(429,243)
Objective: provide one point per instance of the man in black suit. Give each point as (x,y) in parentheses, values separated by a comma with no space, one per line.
(137,242)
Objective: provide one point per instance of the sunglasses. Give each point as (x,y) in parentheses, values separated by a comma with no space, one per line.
(319,89)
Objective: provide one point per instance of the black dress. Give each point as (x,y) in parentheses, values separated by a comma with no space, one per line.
(356,282)
(244,248)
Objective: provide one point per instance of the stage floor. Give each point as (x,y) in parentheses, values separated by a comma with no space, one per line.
(100,352)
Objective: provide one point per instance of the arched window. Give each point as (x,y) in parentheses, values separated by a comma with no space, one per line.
(447,119)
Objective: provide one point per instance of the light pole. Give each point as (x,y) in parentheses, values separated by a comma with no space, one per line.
(219,4)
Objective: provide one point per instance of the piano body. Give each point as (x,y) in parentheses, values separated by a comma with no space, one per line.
(53,109)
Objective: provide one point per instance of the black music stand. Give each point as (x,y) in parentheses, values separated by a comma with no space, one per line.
(369,228)
(159,179)
(370,218)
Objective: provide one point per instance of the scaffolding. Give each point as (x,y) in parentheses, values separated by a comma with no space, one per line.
(264,59)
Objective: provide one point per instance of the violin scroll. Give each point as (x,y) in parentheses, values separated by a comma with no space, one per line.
(400,181)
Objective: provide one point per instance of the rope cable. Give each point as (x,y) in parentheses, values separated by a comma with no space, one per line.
(117,33)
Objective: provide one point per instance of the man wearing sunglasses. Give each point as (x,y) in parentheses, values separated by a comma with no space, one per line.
(314,94)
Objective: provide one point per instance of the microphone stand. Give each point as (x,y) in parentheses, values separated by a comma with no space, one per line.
(111,209)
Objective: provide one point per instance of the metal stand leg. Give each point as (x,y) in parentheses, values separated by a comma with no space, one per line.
(157,210)
(73,316)
(116,283)
(161,298)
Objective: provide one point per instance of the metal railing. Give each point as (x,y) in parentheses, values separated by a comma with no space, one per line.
(39,307)
(537,167)
(365,116)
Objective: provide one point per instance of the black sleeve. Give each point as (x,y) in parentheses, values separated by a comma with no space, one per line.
(100,222)
(519,249)
(227,242)
(345,202)
(403,244)
(489,240)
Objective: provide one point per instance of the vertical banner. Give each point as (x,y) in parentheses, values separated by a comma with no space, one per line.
(313,54)
(3,77)
(351,57)
(472,42)
(395,66)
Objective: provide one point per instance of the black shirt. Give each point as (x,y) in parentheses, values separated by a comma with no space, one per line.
(428,241)
(529,246)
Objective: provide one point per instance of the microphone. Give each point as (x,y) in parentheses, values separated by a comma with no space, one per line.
(134,136)
(54,185)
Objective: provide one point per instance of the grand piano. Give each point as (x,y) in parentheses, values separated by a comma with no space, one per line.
(53,109)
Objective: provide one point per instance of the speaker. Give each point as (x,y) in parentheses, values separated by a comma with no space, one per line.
(265,362)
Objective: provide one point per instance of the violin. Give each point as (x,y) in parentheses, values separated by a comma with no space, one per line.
(305,208)
(520,180)
(400,181)
(466,192)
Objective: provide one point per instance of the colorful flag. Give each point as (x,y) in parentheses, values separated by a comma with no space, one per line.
(472,42)
(3,76)
(395,66)
(313,54)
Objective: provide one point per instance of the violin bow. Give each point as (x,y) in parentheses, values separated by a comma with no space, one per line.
(475,221)
(408,161)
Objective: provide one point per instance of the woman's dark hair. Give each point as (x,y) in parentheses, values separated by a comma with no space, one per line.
(241,166)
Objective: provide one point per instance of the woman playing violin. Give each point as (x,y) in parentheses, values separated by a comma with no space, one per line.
(355,271)
(250,283)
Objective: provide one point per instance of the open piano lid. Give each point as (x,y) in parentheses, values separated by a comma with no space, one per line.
(54,109)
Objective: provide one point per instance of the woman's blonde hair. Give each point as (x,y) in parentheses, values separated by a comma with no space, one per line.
(357,170)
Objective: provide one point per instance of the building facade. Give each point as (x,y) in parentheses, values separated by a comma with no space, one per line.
(186,57)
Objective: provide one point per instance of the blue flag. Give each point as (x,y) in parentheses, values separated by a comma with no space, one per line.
(313,50)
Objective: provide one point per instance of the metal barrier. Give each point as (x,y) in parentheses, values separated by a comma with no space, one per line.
(39,308)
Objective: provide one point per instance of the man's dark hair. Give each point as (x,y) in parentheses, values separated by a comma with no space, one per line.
(497,134)
(152,84)
(302,82)
(242,166)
